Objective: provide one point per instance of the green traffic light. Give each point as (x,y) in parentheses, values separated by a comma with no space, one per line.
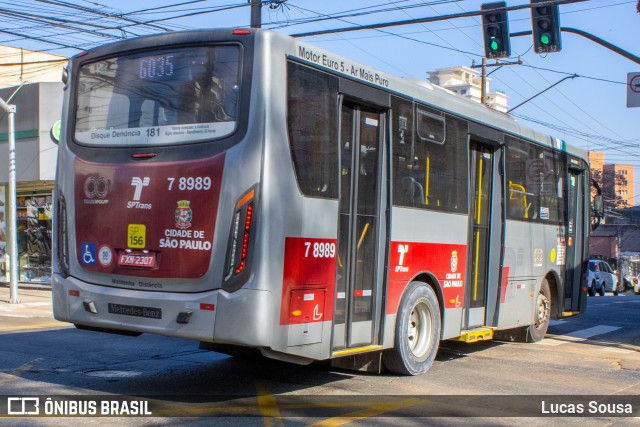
(494,45)
(545,39)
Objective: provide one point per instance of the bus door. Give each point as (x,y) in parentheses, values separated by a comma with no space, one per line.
(359,274)
(486,235)
(575,233)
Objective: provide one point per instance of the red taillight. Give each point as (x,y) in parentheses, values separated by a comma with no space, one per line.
(240,239)
(139,156)
(62,237)
(245,239)
(241,32)
(207,307)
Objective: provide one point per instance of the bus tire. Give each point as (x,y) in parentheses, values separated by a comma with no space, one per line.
(541,315)
(417,332)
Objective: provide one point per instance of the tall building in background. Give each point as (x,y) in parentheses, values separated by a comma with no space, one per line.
(616,180)
(467,82)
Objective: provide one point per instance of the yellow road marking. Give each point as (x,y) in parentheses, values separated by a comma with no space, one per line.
(37,326)
(268,407)
(374,410)
(27,366)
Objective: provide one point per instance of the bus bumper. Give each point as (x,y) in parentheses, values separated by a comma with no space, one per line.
(184,315)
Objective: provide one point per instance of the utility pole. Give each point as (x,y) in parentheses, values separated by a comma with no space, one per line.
(12,228)
(484,75)
(483,82)
(256,13)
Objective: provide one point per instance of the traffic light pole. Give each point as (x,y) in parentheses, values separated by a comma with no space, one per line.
(630,56)
(256,13)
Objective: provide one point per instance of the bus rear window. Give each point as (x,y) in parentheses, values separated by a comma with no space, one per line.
(163,97)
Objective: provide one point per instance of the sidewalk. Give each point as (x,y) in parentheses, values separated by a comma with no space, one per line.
(32,312)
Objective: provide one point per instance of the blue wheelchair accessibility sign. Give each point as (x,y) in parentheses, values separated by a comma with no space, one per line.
(88,253)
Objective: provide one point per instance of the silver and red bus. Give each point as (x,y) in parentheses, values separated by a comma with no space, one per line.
(247,190)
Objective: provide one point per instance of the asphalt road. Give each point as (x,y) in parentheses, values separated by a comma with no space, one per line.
(595,354)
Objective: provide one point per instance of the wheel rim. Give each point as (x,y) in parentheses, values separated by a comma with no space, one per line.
(543,310)
(419,329)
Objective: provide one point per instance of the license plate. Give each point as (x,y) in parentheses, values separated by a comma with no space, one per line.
(137,259)
(135,310)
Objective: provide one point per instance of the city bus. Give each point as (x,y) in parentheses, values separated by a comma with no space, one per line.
(247,190)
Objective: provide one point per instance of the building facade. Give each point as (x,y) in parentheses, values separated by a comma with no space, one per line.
(467,82)
(618,181)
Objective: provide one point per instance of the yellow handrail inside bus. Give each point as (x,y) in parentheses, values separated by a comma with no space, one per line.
(479,202)
(427,171)
(518,189)
(364,232)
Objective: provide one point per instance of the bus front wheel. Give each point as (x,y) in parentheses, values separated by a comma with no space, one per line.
(417,331)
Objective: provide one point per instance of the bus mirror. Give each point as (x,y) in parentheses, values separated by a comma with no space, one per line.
(598,207)
(55,131)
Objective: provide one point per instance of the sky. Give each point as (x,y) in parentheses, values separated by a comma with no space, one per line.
(588,111)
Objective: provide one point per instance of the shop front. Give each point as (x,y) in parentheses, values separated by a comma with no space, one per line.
(34,218)
(38,107)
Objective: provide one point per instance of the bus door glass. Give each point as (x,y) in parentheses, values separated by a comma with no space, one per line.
(361,133)
(574,240)
(485,241)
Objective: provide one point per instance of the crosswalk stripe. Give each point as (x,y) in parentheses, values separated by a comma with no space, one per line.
(578,336)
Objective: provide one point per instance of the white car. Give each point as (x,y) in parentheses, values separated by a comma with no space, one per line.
(602,278)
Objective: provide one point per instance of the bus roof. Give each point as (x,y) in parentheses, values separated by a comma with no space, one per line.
(423,91)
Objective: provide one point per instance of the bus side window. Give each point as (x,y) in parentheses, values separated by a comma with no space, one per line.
(407,191)
(313,130)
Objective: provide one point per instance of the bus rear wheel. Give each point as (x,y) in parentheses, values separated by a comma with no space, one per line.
(417,332)
(542,314)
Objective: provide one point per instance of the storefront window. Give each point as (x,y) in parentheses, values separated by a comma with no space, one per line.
(34,237)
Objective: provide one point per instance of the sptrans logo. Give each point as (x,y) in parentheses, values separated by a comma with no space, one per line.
(139,184)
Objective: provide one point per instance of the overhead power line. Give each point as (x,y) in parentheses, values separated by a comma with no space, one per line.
(430,19)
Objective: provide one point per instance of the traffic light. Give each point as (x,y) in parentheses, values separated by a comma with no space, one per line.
(545,23)
(495,27)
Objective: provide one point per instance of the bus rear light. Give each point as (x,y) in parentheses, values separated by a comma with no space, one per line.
(239,247)
(245,239)
(62,238)
(142,156)
(74,293)
(241,32)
